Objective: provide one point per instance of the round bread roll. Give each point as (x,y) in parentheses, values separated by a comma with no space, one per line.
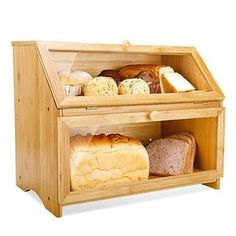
(75,77)
(101,86)
(133,86)
(114,74)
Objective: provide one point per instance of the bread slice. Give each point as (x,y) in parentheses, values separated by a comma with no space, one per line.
(188,168)
(164,69)
(193,151)
(168,156)
(173,82)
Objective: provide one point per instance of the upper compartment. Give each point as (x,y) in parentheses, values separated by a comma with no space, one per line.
(93,58)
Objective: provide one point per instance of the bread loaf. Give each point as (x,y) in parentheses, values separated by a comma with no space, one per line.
(151,79)
(173,82)
(130,71)
(104,160)
(133,86)
(101,86)
(173,155)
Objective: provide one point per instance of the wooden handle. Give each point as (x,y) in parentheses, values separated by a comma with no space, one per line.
(153,115)
(126,44)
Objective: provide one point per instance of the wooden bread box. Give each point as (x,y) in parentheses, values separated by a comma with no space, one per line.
(45,118)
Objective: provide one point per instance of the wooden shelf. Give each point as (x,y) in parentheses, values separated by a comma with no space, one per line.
(152,184)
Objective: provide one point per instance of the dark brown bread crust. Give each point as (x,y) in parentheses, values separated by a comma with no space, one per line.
(114,74)
(151,79)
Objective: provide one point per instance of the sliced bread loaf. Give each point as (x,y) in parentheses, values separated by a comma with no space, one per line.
(173,82)
(191,141)
(168,156)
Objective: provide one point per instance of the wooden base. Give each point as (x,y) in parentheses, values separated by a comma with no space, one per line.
(55,208)
(215,184)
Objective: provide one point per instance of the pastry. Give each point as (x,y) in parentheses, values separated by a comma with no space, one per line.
(73,82)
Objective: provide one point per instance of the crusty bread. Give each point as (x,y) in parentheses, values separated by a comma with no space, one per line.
(104,160)
(130,71)
(168,156)
(172,82)
(133,86)
(101,86)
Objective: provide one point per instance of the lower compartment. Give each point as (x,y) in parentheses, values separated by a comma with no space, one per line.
(152,184)
(206,125)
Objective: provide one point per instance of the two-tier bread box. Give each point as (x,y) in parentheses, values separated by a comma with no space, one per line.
(96,121)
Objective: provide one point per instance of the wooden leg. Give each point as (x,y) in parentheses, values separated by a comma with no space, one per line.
(55,209)
(215,184)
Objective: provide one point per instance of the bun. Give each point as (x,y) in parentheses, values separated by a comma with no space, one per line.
(75,77)
(101,86)
(73,82)
(104,160)
(173,82)
(133,86)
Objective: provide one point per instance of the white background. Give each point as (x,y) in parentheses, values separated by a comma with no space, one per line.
(196,210)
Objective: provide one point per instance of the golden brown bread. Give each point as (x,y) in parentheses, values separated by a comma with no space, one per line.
(130,71)
(104,160)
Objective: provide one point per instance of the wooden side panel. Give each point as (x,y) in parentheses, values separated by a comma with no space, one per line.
(185,65)
(26,116)
(204,130)
(36,129)
(95,62)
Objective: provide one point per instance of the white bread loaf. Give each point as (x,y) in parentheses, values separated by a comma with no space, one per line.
(104,160)
(173,82)
(133,86)
(101,86)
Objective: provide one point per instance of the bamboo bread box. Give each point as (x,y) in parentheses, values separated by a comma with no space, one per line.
(46,118)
